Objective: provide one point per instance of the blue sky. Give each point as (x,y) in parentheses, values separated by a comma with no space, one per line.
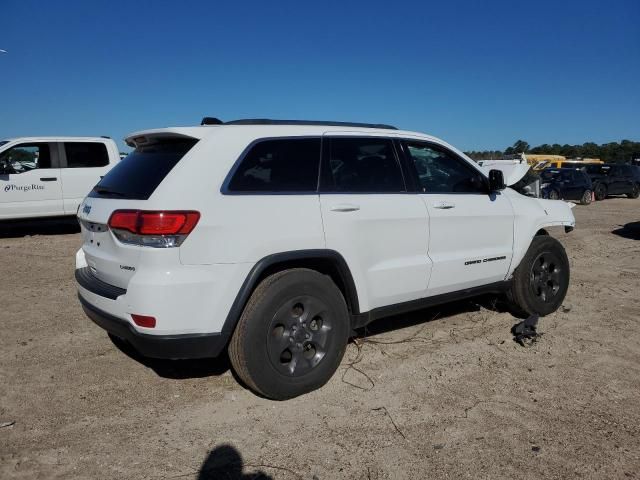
(478,74)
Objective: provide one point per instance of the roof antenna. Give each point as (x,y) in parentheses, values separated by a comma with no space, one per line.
(211,121)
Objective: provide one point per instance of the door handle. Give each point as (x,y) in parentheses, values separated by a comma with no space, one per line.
(48,179)
(444,205)
(345,207)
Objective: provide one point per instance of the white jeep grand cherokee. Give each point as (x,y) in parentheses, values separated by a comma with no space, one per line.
(279,238)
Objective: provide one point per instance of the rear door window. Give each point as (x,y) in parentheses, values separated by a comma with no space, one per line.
(362,165)
(279,165)
(86,154)
(139,174)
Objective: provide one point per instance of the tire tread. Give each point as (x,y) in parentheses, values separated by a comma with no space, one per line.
(237,353)
(241,356)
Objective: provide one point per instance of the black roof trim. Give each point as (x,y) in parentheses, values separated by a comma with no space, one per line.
(211,121)
(267,121)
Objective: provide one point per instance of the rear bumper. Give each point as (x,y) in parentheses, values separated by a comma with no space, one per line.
(86,280)
(183,346)
(186,300)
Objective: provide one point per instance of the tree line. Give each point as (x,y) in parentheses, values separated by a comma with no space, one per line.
(613,152)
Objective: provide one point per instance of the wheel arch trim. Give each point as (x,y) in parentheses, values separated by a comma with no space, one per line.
(291,259)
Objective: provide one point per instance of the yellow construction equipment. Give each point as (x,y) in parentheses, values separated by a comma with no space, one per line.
(542,161)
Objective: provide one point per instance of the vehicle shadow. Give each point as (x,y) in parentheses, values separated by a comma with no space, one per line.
(209,367)
(396,322)
(40,226)
(225,462)
(630,230)
(177,369)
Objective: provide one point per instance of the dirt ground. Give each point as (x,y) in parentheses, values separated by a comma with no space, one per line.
(450,397)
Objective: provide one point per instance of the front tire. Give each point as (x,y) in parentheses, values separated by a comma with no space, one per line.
(601,191)
(554,195)
(586,197)
(292,334)
(635,192)
(541,280)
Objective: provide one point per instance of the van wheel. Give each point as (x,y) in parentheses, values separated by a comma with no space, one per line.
(541,280)
(635,191)
(292,334)
(554,195)
(586,197)
(601,191)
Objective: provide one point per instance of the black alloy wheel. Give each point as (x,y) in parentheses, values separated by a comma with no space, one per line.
(546,276)
(292,334)
(300,333)
(541,280)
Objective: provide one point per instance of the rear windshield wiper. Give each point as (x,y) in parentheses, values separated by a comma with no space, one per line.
(108,192)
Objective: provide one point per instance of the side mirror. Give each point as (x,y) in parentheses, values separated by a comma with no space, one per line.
(496,180)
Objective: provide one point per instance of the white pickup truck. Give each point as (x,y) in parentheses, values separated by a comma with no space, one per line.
(49,176)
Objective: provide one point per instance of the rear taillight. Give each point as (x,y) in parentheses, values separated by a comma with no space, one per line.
(160,229)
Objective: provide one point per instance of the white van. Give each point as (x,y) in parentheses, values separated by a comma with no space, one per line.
(49,176)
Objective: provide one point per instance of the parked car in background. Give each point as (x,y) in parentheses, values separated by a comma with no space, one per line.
(49,176)
(614,179)
(566,184)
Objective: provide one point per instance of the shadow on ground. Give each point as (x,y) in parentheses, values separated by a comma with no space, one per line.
(177,369)
(389,324)
(48,226)
(209,367)
(630,230)
(225,462)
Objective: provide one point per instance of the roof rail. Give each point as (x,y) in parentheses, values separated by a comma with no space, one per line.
(267,121)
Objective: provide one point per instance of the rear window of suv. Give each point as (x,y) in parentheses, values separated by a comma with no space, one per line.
(138,175)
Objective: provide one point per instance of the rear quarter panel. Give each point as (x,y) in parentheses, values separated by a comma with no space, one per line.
(235,228)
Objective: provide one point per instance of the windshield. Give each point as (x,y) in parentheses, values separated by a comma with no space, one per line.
(549,175)
(591,169)
(556,175)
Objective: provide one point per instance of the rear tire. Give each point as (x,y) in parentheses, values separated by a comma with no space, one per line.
(586,197)
(541,280)
(292,334)
(600,191)
(635,192)
(554,195)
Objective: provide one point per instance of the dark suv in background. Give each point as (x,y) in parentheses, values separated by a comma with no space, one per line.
(614,179)
(566,184)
